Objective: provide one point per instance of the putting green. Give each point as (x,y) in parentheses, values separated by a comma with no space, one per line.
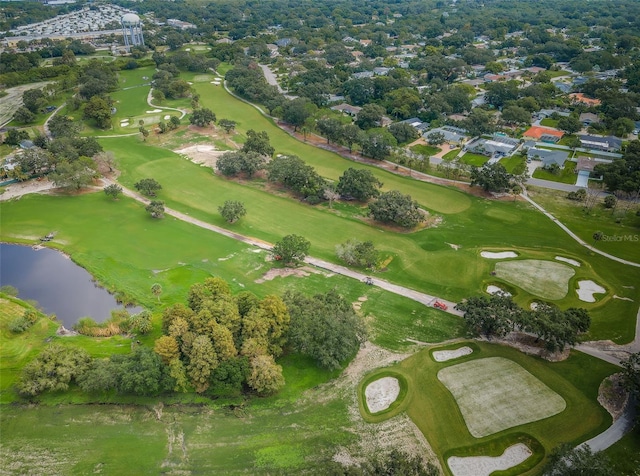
(495,394)
(545,279)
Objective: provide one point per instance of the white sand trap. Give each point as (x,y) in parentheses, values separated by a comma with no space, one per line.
(500,255)
(491,289)
(568,260)
(382,393)
(587,289)
(622,298)
(486,465)
(167,117)
(153,111)
(455,247)
(124,124)
(444,355)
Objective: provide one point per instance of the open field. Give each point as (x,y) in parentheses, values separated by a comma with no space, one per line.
(546,279)
(585,223)
(496,394)
(432,407)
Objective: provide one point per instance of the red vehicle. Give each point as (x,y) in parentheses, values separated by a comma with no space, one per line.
(440,305)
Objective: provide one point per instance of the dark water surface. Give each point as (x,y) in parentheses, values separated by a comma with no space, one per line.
(60,286)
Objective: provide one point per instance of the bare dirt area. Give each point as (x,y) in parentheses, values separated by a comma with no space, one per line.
(24,188)
(203,154)
(612,395)
(285,272)
(13,100)
(374,438)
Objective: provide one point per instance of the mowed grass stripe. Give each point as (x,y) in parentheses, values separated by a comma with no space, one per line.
(496,394)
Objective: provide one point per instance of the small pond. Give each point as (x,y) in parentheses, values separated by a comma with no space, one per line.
(60,286)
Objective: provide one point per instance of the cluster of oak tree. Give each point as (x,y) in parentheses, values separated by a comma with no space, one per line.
(218,343)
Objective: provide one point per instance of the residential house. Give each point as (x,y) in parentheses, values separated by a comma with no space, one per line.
(543,134)
(497,146)
(548,157)
(452,135)
(362,75)
(608,143)
(588,118)
(417,124)
(347,109)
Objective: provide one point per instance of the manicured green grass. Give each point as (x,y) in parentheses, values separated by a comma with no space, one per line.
(549,122)
(425,150)
(566,175)
(514,164)
(624,455)
(432,407)
(452,154)
(546,279)
(477,160)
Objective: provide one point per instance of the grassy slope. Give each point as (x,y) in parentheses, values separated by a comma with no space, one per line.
(422,260)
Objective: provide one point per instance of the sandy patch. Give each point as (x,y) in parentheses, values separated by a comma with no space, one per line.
(124,124)
(491,289)
(203,154)
(455,247)
(495,394)
(498,255)
(444,355)
(167,117)
(23,188)
(622,298)
(587,289)
(568,260)
(284,272)
(153,111)
(382,393)
(358,304)
(486,465)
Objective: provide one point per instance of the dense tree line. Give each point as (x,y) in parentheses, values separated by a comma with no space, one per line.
(498,315)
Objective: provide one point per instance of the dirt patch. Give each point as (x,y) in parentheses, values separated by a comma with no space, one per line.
(374,439)
(203,154)
(382,393)
(358,304)
(284,272)
(486,465)
(24,188)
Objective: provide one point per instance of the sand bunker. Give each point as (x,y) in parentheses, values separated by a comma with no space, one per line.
(167,117)
(568,260)
(124,123)
(154,111)
(500,255)
(382,393)
(491,289)
(444,355)
(485,465)
(202,154)
(587,289)
(455,247)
